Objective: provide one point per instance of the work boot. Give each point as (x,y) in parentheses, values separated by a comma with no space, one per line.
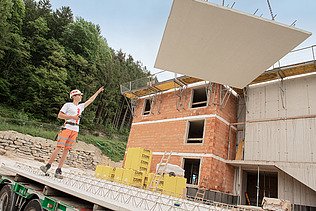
(58,173)
(45,168)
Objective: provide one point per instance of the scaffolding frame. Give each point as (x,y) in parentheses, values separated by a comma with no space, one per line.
(150,86)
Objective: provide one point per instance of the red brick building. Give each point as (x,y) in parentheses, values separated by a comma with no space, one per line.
(272,120)
(194,124)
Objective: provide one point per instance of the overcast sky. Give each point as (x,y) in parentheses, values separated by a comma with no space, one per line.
(137,26)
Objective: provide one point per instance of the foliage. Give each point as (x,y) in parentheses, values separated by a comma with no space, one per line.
(9,113)
(44,54)
(114,148)
(5,9)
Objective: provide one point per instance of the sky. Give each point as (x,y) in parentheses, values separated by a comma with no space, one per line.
(137,26)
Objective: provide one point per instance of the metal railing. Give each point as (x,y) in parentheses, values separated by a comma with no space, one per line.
(296,56)
(293,57)
(144,82)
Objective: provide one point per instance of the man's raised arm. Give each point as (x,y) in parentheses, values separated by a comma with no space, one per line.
(92,98)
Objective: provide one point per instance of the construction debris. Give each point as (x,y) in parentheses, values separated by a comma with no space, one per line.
(276,204)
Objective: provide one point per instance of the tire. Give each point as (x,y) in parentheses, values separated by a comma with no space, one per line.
(33,205)
(5,198)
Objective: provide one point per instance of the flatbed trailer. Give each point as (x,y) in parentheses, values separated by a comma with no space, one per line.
(29,189)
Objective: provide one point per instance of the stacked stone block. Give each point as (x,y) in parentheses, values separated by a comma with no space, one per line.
(37,148)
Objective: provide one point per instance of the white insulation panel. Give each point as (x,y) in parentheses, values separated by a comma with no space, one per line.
(291,140)
(281,127)
(294,191)
(288,141)
(222,45)
(290,98)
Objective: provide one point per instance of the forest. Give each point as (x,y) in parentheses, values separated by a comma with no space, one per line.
(45,53)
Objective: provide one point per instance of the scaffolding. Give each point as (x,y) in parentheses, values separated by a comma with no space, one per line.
(289,66)
(154,87)
(151,85)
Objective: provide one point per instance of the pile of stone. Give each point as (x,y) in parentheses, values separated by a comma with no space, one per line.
(83,155)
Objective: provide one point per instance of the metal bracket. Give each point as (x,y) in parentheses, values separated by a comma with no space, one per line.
(245,91)
(156,100)
(131,105)
(224,96)
(282,93)
(179,104)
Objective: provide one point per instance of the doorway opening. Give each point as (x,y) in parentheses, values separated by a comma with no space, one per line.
(192,170)
(268,186)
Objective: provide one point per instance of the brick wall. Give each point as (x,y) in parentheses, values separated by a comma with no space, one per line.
(167,108)
(219,175)
(171,135)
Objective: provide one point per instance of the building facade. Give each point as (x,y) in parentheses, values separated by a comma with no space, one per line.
(280,142)
(195,128)
(261,143)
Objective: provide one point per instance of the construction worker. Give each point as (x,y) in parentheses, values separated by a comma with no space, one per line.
(67,137)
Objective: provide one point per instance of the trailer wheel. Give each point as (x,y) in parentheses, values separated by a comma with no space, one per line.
(5,198)
(33,205)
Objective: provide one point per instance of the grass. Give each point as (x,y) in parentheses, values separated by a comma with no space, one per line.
(113,148)
(22,122)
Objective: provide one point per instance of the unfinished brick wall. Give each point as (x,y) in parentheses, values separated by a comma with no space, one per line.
(165,107)
(219,175)
(167,135)
(223,141)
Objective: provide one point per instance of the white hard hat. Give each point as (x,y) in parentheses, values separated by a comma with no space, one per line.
(75,92)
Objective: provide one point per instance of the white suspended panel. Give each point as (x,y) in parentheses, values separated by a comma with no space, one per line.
(222,45)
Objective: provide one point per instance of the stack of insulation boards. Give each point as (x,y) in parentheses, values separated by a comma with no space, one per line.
(169,185)
(136,173)
(136,168)
(138,159)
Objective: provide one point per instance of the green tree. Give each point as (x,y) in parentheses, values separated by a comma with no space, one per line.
(59,20)
(16,52)
(88,56)
(45,53)
(47,73)
(5,9)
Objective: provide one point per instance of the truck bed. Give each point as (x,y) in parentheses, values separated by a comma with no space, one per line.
(107,194)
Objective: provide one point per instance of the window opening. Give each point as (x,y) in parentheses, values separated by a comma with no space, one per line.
(147,107)
(199,98)
(196,131)
(192,170)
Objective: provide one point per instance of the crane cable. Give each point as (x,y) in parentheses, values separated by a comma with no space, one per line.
(269,5)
